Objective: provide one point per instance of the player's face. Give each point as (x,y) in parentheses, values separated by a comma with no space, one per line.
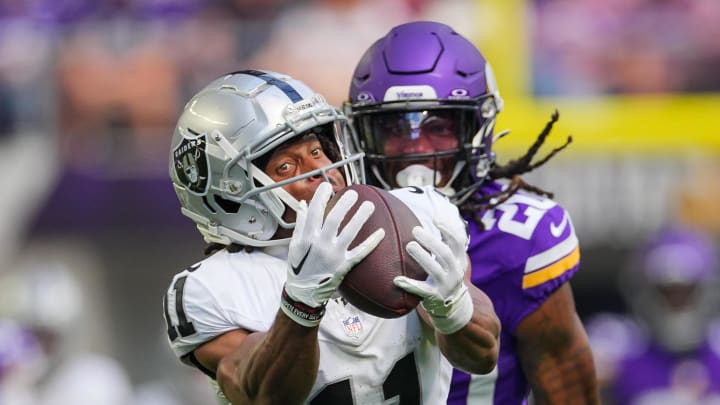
(417,133)
(678,296)
(434,134)
(298,158)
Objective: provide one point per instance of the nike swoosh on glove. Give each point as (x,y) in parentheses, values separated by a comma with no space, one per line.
(319,257)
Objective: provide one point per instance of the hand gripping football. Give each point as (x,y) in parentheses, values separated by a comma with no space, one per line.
(369,285)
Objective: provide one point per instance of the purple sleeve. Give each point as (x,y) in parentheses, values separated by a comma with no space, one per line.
(527,250)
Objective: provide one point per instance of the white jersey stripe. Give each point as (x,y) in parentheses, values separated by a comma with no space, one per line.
(482,388)
(553,254)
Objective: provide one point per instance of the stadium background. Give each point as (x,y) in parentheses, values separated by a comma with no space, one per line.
(89,92)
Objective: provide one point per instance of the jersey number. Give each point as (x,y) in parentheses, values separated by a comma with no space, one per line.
(184,327)
(401,385)
(522,228)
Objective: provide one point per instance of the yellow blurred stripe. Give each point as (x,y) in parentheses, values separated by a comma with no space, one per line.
(641,124)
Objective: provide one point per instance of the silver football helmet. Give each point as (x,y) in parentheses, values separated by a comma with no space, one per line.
(220,136)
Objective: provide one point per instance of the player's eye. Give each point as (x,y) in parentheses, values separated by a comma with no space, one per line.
(393,128)
(437,126)
(283,168)
(316,152)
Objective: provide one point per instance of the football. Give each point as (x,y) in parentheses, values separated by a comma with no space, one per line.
(369,285)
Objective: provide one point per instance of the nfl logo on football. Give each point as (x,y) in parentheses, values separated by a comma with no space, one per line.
(352,325)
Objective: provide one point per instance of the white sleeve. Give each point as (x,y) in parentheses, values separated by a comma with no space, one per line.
(427,203)
(221,294)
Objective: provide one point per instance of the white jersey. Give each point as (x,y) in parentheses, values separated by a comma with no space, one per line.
(363,359)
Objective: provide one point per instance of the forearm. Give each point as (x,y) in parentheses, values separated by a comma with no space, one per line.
(567,377)
(475,347)
(287,356)
(555,353)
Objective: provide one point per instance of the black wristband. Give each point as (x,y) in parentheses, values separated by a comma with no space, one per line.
(299,312)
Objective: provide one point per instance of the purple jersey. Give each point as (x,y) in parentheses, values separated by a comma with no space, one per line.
(657,377)
(527,250)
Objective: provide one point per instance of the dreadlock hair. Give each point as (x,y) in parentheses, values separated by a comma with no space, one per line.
(476,205)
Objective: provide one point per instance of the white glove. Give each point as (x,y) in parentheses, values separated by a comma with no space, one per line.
(318,257)
(444,294)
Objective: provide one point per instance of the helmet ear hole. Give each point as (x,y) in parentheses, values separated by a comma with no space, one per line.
(207,205)
(230,207)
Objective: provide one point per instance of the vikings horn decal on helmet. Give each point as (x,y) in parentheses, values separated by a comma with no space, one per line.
(224,134)
(425,82)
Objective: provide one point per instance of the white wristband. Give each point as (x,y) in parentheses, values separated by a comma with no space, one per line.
(459,316)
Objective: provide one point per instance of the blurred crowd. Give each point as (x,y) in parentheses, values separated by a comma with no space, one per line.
(591,47)
(109,77)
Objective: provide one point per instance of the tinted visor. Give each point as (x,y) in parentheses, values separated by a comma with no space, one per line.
(397,133)
(435,138)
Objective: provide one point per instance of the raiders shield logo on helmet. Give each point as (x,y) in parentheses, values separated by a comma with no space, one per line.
(191,165)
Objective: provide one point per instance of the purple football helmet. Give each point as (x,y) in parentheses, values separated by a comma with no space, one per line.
(423,102)
(19,347)
(671,286)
